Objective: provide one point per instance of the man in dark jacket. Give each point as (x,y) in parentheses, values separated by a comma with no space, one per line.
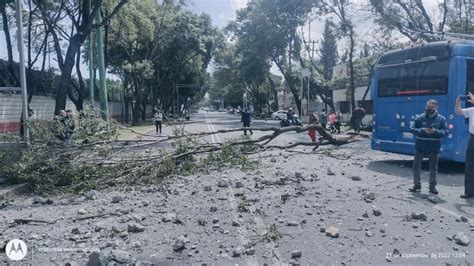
(246,119)
(323,118)
(429,129)
(290,116)
(357,115)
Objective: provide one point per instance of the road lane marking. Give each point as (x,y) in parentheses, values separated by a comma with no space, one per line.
(243,232)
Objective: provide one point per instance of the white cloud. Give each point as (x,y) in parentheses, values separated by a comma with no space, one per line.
(238,4)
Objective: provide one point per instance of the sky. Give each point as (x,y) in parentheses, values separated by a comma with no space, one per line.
(221,11)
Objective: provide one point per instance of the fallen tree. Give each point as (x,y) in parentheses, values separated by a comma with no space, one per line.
(103,161)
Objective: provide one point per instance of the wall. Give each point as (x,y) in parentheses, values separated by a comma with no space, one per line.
(10,110)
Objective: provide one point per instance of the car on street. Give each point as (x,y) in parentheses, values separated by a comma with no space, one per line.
(280,114)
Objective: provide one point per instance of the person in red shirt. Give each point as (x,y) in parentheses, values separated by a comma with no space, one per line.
(332,121)
(313,120)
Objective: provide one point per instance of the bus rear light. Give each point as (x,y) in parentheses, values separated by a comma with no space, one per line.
(450,126)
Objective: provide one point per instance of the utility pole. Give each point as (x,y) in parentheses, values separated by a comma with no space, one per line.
(90,52)
(100,59)
(122,94)
(177,101)
(21,47)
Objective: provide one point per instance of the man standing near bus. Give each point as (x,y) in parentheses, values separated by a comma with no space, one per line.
(469,167)
(429,129)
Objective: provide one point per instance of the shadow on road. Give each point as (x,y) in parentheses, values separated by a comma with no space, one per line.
(450,173)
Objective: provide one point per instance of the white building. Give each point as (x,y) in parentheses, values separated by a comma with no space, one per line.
(341,94)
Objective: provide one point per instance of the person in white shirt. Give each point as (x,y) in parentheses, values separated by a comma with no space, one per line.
(158,117)
(469,167)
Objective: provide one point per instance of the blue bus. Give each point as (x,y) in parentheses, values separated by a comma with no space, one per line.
(404,80)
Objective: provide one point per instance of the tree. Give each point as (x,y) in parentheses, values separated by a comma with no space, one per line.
(4,6)
(328,49)
(346,28)
(409,17)
(459,15)
(70,23)
(161,46)
(226,84)
(272,26)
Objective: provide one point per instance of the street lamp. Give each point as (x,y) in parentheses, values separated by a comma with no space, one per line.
(21,47)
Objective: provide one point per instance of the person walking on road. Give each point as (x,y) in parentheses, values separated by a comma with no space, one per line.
(429,129)
(357,115)
(323,119)
(469,167)
(246,119)
(158,118)
(313,120)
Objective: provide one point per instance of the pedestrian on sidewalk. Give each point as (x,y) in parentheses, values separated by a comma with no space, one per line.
(429,129)
(246,119)
(469,167)
(313,120)
(29,121)
(158,118)
(323,119)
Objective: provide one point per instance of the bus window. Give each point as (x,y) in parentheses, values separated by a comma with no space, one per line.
(433,75)
(426,77)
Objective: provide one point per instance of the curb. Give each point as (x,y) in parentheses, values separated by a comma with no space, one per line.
(13,191)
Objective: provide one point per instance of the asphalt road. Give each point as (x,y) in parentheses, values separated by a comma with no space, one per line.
(275,214)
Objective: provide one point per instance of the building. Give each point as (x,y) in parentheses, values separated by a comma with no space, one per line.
(341,92)
(287,100)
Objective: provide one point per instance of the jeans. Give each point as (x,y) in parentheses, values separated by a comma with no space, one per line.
(469,168)
(433,158)
(158,126)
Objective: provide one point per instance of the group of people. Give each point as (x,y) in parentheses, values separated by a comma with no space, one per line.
(429,129)
(334,119)
(334,122)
